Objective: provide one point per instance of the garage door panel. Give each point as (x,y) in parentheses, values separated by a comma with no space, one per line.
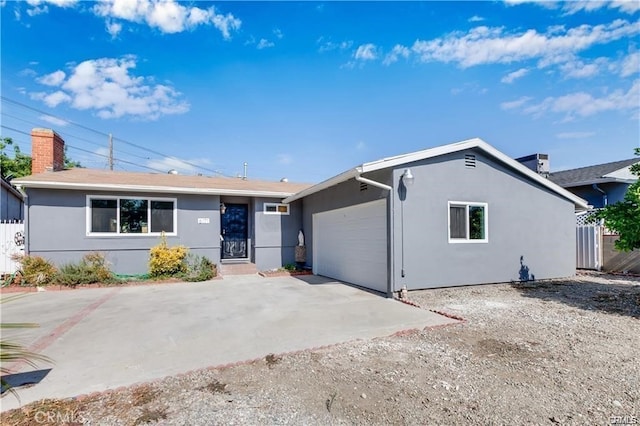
(351,244)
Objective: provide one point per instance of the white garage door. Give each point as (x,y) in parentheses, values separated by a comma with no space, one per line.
(350,244)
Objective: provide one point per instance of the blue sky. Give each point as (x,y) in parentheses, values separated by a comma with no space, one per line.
(305,90)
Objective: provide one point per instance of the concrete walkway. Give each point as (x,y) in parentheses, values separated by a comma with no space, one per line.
(109,337)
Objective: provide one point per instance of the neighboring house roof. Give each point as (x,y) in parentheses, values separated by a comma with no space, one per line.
(107,180)
(617,171)
(475,143)
(11,189)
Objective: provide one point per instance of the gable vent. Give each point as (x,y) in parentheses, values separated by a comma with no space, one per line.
(363,186)
(470,161)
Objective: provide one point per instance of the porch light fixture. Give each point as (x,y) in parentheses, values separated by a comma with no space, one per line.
(223,208)
(407,177)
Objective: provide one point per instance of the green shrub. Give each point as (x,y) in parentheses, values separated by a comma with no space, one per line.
(37,270)
(91,269)
(290,267)
(199,268)
(167,261)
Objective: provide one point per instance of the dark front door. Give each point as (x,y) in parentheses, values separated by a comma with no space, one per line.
(234,223)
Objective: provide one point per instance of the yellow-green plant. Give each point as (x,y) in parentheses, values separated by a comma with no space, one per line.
(36,270)
(12,352)
(167,261)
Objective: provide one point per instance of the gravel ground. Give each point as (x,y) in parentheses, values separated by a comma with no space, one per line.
(562,351)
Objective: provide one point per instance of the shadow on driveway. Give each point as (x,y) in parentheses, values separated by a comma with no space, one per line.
(616,296)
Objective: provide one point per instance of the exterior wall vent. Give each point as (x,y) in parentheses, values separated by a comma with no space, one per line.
(470,161)
(363,186)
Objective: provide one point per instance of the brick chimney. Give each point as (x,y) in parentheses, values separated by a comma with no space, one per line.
(47,151)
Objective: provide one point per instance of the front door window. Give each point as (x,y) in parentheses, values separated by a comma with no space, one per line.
(234,223)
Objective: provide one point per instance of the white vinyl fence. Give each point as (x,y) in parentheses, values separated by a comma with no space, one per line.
(11,242)
(589,247)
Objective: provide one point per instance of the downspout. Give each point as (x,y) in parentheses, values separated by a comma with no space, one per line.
(389,230)
(25,198)
(605,201)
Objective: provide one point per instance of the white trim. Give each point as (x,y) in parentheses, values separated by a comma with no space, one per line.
(400,160)
(119,234)
(468,204)
(150,189)
(276,205)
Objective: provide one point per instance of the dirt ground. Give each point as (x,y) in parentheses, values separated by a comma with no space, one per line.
(552,352)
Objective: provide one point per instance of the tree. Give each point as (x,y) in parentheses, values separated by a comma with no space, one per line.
(18,166)
(624,217)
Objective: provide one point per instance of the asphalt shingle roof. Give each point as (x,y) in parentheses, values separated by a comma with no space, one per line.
(107,179)
(589,174)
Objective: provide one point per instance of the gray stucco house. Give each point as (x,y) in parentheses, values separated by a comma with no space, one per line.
(73,212)
(458,214)
(600,184)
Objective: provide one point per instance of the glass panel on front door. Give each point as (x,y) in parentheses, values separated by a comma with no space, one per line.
(234,231)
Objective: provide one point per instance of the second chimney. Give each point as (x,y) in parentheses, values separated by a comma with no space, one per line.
(47,151)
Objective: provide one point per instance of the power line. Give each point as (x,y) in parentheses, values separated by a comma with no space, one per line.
(90,152)
(107,135)
(68,135)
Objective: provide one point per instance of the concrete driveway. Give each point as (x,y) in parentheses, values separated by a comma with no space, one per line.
(110,337)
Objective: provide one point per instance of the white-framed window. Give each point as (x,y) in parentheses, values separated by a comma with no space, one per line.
(276,208)
(131,215)
(468,222)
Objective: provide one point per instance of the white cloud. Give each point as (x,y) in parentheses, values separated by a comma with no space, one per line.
(168,16)
(285,159)
(106,86)
(515,104)
(27,72)
(174,163)
(484,45)
(575,6)
(574,135)
(51,99)
(513,76)
(476,18)
(278,33)
(54,120)
(630,64)
(366,52)
(328,45)
(397,52)
(581,104)
(113,28)
(264,43)
(53,79)
(578,69)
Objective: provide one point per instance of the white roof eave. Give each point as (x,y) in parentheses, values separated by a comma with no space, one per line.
(150,189)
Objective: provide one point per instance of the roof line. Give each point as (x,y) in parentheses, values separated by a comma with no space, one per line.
(148,188)
(436,152)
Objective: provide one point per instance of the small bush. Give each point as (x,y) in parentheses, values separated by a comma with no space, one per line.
(199,268)
(290,267)
(91,269)
(37,270)
(167,261)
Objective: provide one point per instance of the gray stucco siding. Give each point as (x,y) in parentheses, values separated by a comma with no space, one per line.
(11,207)
(57,229)
(524,220)
(275,235)
(342,195)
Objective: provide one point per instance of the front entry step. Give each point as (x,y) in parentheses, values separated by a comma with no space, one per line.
(244,268)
